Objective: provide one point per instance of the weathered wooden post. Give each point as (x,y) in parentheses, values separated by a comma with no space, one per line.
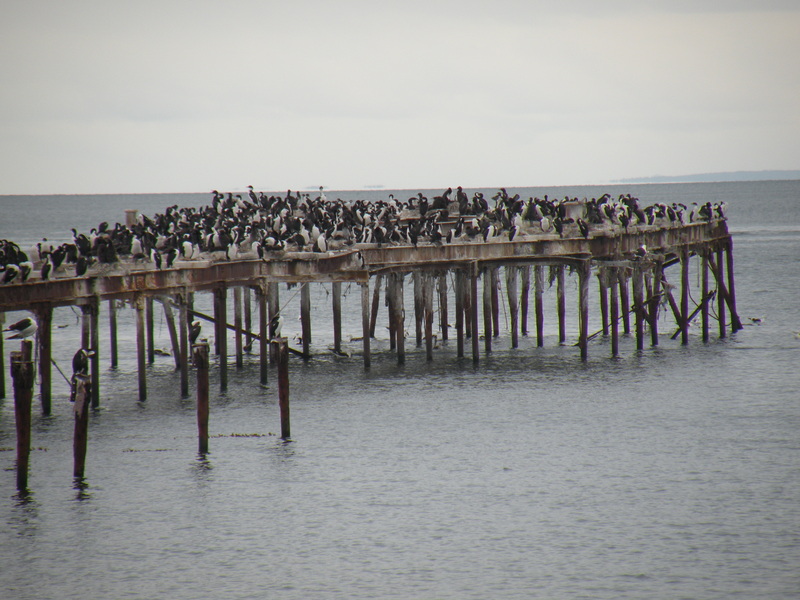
(624,300)
(718,275)
(94,360)
(487,308)
(263,335)
(44,318)
(248,320)
(273,302)
(495,287)
(305,317)
(459,293)
(2,358)
(443,305)
(365,314)
(524,299)
(83,393)
(376,301)
(237,324)
(513,303)
(584,275)
(638,298)
(221,295)
(473,309)
(602,279)
(614,311)
(419,309)
(200,356)
(183,324)
(112,329)
(736,324)
(684,324)
(655,301)
(336,301)
(140,346)
(399,316)
(166,303)
(427,295)
(151,348)
(22,375)
(704,291)
(283,386)
(390,309)
(561,305)
(539,304)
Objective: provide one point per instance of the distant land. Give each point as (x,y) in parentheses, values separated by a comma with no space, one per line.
(707,177)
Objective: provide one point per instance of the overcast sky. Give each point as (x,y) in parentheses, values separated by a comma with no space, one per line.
(187,96)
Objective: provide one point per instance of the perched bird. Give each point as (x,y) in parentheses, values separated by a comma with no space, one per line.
(80,361)
(275,326)
(21,329)
(194,331)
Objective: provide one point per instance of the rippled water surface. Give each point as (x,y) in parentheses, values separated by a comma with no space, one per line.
(669,473)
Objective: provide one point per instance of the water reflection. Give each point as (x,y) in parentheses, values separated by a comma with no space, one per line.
(81,486)
(24,518)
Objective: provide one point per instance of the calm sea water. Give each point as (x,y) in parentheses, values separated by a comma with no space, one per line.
(670,473)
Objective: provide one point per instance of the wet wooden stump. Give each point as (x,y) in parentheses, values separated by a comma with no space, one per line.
(283,386)
(83,392)
(200,359)
(22,375)
(365,314)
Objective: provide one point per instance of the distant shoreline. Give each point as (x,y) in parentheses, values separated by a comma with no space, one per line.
(737,176)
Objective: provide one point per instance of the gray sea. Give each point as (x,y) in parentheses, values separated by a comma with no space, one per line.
(668,473)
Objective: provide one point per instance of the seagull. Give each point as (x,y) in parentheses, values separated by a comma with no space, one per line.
(21,329)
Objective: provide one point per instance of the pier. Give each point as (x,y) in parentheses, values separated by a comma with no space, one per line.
(463,278)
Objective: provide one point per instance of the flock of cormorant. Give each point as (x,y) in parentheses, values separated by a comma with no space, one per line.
(256,225)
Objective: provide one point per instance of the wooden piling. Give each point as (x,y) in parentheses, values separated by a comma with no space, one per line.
(602,277)
(459,294)
(221,295)
(473,309)
(390,302)
(273,303)
(614,312)
(399,319)
(376,301)
(495,288)
(427,296)
(2,358)
(336,300)
(263,331)
(704,291)
(419,309)
(169,317)
(736,324)
(365,314)
(720,295)
(22,375)
(94,360)
(513,303)
(151,347)
(539,304)
(684,323)
(638,306)
(487,309)
(305,317)
(183,338)
(44,318)
(237,323)
(83,393)
(442,285)
(140,346)
(200,357)
(561,303)
(584,274)
(283,387)
(655,301)
(112,331)
(624,300)
(526,289)
(248,320)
